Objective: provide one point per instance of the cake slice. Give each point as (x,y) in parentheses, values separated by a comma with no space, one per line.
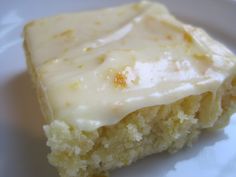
(118,84)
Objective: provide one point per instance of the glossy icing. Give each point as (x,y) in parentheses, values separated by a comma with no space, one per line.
(97,67)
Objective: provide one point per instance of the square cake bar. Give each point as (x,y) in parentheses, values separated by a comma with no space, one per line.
(118,84)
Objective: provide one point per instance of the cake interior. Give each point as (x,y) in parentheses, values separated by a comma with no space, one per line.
(146,131)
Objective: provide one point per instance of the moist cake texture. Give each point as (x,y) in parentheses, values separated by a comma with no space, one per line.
(118,84)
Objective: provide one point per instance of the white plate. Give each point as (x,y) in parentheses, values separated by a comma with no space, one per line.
(22,143)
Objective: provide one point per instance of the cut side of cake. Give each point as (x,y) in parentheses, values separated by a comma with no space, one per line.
(118,84)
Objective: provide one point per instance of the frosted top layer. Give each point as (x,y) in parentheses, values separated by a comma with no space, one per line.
(97,67)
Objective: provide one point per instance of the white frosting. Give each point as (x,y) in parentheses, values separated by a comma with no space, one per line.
(97,67)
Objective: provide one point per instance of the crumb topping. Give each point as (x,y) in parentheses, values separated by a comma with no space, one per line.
(87,49)
(101,58)
(169,37)
(120,80)
(187,37)
(68,34)
(136,7)
(74,85)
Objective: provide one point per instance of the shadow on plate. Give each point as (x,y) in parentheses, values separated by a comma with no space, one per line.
(26,148)
(25,112)
(25,156)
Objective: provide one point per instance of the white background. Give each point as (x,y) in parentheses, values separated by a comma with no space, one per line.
(22,143)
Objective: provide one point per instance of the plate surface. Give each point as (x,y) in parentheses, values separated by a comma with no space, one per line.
(22,143)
